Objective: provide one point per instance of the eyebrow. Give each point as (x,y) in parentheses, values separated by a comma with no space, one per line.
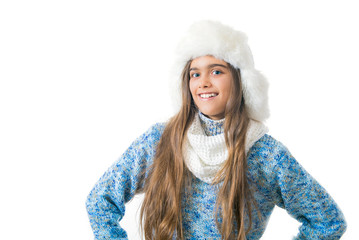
(210,66)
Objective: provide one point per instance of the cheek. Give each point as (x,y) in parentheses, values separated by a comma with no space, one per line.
(226,88)
(192,87)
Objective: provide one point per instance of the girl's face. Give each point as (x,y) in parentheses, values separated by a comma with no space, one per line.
(210,84)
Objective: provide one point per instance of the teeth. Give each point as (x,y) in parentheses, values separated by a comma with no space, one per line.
(208,95)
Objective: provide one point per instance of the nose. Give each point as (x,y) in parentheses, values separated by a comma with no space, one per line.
(205,81)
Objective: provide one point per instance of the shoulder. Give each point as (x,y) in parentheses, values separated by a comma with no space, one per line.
(155,130)
(268,150)
(152,135)
(265,156)
(144,146)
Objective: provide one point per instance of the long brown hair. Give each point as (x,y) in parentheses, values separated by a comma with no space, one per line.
(168,177)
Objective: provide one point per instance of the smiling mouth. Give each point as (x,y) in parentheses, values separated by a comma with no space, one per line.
(208,95)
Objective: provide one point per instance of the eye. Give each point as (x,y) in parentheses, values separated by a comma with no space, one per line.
(195,75)
(216,72)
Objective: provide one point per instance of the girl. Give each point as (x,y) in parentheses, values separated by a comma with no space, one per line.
(212,171)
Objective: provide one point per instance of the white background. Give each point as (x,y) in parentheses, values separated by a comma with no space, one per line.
(80,80)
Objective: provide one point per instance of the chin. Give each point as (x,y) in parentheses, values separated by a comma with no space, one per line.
(213,115)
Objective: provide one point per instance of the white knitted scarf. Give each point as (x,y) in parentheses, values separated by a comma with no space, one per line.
(205,155)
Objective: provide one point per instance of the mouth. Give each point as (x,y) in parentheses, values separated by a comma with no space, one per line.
(208,95)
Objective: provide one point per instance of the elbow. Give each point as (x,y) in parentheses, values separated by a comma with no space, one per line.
(341,227)
(89,203)
(340,224)
(336,228)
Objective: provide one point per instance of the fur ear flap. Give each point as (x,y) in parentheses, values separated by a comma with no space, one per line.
(255,90)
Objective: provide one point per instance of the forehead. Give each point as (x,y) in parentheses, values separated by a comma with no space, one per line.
(205,61)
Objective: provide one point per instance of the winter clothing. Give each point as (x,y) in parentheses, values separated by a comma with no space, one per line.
(204,155)
(221,41)
(275,178)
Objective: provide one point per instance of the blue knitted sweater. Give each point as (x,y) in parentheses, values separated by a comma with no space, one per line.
(275,178)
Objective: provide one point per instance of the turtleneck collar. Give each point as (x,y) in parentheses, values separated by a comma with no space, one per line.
(211,127)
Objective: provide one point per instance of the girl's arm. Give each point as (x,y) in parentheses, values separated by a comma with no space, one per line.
(304,199)
(106,202)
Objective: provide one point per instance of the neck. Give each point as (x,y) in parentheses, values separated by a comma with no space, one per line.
(211,127)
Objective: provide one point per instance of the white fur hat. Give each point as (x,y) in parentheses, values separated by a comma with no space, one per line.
(225,43)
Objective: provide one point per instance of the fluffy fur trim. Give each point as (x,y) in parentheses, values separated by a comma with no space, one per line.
(223,42)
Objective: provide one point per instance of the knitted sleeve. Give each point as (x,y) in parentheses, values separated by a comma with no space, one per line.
(306,200)
(106,202)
